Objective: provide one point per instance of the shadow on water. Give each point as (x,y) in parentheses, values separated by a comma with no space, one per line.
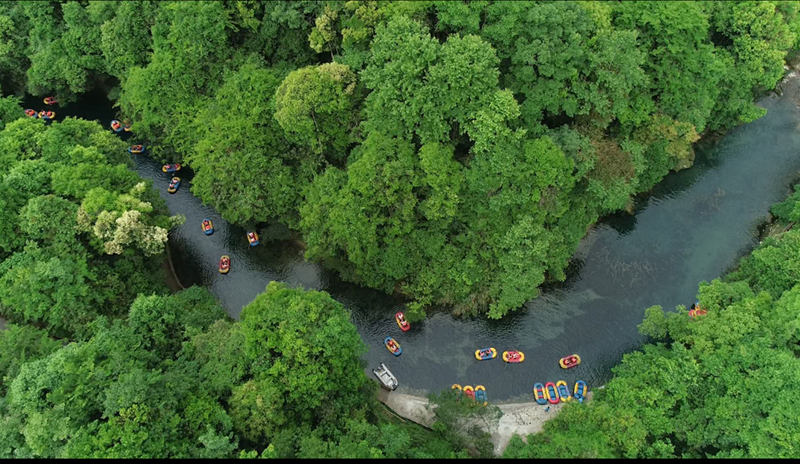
(693,226)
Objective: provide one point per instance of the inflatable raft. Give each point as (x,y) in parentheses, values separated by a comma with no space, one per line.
(252,237)
(563,390)
(400,318)
(539,393)
(207,226)
(392,345)
(387,379)
(580,390)
(480,395)
(469,392)
(224,264)
(485,353)
(513,356)
(551,392)
(137,149)
(569,361)
(168,168)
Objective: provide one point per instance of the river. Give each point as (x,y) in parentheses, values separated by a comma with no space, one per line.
(693,226)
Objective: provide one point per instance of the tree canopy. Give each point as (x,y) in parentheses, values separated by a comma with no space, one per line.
(273,106)
(452,152)
(78,224)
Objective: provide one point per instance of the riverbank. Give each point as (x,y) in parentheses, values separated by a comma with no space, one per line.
(171,280)
(521,419)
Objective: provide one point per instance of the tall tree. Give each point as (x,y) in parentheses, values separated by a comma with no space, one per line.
(316,107)
(244,166)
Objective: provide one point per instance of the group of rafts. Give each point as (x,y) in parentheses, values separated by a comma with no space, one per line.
(554,393)
(175,182)
(224,265)
(388,380)
(225,261)
(550,392)
(389,342)
(47,115)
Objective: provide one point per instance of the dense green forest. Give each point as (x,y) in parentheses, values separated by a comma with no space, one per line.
(79,227)
(172,376)
(99,360)
(177,379)
(452,152)
(721,385)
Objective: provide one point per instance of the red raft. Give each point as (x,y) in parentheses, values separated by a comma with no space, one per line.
(552,393)
(513,356)
(400,318)
(469,392)
(569,361)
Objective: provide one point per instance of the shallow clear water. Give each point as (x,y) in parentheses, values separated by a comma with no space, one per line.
(692,227)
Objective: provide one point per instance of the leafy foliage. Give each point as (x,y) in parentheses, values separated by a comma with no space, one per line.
(71,200)
(243,165)
(315,106)
(273,105)
(177,379)
(453,152)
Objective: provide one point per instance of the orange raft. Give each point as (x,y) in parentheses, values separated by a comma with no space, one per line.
(513,356)
(50,100)
(224,264)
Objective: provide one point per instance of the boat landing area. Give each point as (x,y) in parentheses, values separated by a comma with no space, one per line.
(522,419)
